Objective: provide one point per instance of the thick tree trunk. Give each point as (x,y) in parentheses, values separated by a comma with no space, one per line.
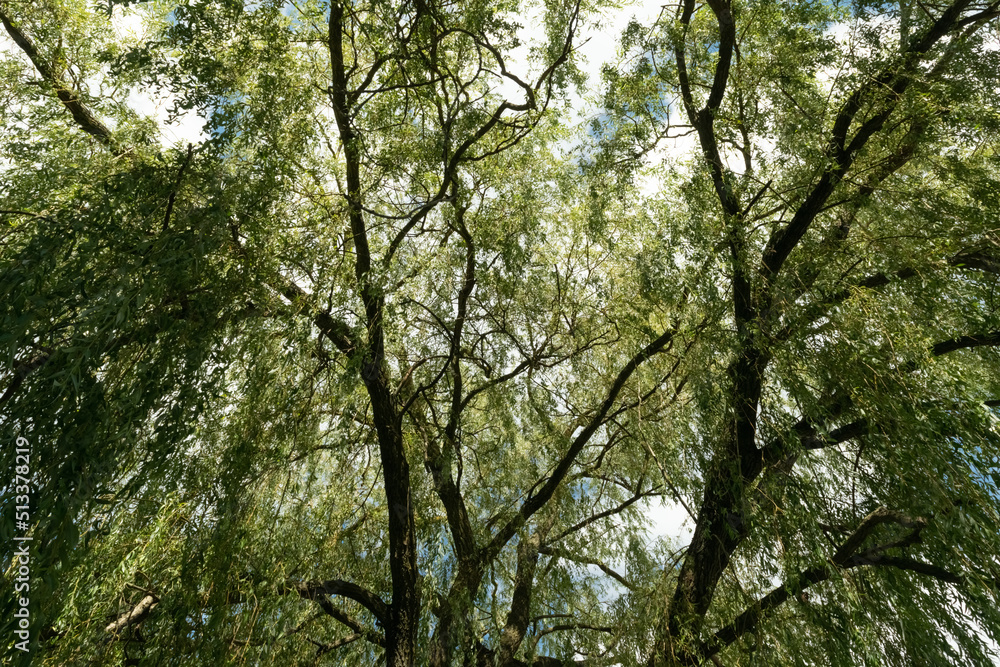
(404,611)
(401,633)
(722,523)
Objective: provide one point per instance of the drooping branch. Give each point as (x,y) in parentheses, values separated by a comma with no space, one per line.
(338,332)
(70,98)
(845,558)
(618,509)
(144,334)
(318,590)
(579,558)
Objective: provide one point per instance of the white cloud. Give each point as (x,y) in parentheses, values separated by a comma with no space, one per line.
(669,521)
(131,24)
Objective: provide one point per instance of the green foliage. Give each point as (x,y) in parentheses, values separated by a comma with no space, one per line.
(392,362)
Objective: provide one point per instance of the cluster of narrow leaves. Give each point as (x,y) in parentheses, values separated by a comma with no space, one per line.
(391,364)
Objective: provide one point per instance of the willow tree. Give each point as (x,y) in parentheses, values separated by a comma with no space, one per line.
(387,367)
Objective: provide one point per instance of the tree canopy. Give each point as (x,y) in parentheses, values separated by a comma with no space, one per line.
(389,365)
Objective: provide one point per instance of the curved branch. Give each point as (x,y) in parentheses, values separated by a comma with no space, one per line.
(606,513)
(177,185)
(844,559)
(988,339)
(133,616)
(67,95)
(888,87)
(537,501)
(874,519)
(727,42)
(967,260)
(815,440)
(577,558)
(21,372)
(322,649)
(520,604)
(561,627)
(317,590)
(459,155)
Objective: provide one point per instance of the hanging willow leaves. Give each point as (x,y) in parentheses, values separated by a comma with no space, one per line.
(389,364)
